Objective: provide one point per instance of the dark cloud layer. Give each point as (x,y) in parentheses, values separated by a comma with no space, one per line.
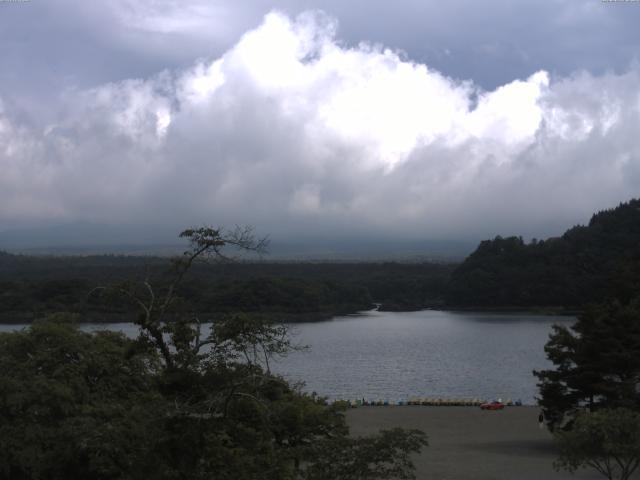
(74,42)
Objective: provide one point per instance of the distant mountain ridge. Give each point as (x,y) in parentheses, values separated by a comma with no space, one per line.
(586,264)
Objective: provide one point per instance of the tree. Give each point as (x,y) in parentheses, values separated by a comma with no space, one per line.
(597,363)
(76,405)
(155,305)
(586,264)
(178,401)
(370,458)
(607,440)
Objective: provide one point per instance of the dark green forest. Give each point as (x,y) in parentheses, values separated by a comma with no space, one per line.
(31,287)
(586,264)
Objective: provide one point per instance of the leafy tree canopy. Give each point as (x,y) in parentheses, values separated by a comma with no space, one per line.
(607,441)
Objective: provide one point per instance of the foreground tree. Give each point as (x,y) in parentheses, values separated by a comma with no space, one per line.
(75,405)
(180,401)
(159,322)
(607,441)
(597,364)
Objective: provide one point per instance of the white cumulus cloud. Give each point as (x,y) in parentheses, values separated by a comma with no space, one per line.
(295,132)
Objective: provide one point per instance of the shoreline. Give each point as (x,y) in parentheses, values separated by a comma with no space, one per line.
(17,318)
(535,310)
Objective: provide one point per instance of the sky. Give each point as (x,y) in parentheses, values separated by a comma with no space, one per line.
(365,120)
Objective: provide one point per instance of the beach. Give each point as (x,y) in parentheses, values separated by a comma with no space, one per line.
(466,443)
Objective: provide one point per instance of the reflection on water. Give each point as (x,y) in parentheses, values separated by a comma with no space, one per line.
(393,356)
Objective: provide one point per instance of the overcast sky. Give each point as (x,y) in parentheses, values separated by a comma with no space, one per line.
(387,119)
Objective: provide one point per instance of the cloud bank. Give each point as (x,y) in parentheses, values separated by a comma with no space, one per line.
(297,133)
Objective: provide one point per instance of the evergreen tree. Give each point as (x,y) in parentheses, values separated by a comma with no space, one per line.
(586,264)
(597,363)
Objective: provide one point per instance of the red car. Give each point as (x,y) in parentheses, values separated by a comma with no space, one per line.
(492,406)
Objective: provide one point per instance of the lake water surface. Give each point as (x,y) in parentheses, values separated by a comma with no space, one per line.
(394,356)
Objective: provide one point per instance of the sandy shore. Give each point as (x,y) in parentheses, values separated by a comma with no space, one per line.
(467,443)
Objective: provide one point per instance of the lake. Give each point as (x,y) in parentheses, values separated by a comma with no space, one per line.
(397,355)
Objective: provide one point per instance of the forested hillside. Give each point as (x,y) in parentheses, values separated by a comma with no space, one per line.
(586,264)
